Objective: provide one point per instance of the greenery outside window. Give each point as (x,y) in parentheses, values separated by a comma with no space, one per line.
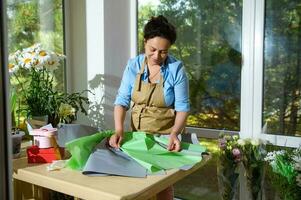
(282,68)
(209,44)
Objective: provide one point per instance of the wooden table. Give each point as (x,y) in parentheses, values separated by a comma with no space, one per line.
(31,180)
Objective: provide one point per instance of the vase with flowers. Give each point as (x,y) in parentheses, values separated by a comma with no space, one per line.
(285,173)
(235,153)
(227,166)
(253,153)
(32,72)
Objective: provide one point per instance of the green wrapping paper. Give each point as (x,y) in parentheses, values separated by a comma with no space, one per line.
(82,147)
(148,150)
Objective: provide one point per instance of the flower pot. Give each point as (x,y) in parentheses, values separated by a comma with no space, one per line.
(38,121)
(228,180)
(254,181)
(54,120)
(16,143)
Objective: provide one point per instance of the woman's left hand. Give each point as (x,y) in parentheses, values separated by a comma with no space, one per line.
(174,143)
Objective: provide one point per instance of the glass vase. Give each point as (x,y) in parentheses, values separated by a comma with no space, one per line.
(38,121)
(254,177)
(228,180)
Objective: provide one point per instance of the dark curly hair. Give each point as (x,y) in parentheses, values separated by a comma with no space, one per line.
(160,27)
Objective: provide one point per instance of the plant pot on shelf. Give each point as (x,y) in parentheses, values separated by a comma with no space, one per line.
(16,143)
(38,121)
(54,120)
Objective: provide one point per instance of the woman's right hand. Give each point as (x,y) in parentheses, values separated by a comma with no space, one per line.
(115,140)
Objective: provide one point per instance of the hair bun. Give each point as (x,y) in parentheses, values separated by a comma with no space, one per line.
(159,26)
(159,18)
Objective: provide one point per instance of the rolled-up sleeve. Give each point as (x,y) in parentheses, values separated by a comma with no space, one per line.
(123,97)
(181,90)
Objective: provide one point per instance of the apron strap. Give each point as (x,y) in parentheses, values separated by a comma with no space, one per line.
(140,74)
(162,80)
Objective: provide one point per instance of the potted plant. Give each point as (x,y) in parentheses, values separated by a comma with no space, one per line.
(228,166)
(285,172)
(33,70)
(65,106)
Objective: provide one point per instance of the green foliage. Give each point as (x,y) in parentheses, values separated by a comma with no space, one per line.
(282,67)
(35,21)
(209,44)
(285,190)
(13,105)
(208,33)
(23,24)
(13,99)
(38,93)
(77,100)
(283,169)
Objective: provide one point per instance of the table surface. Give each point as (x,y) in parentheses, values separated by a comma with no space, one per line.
(76,184)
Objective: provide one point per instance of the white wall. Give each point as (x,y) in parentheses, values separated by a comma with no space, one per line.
(117,48)
(99,43)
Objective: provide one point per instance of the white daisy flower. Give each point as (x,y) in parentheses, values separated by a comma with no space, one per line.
(27,60)
(43,57)
(12,68)
(52,65)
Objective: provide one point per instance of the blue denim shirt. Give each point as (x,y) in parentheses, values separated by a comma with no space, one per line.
(176,84)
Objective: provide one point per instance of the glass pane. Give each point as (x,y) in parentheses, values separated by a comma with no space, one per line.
(209,44)
(32,23)
(36,21)
(282,68)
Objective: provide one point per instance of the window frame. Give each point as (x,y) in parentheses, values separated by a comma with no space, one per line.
(253,62)
(5,142)
(251,79)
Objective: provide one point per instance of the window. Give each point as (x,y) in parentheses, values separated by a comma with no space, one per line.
(33,22)
(269,90)
(209,44)
(282,68)
(5,167)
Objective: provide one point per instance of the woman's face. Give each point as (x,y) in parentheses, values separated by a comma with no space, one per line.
(156,50)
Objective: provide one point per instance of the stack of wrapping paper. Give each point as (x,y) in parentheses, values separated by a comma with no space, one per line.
(140,154)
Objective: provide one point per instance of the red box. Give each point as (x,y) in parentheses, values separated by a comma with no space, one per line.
(38,155)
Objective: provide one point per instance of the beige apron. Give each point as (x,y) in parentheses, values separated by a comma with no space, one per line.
(149,111)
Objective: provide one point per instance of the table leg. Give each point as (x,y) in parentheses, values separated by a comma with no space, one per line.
(24,190)
(41,193)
